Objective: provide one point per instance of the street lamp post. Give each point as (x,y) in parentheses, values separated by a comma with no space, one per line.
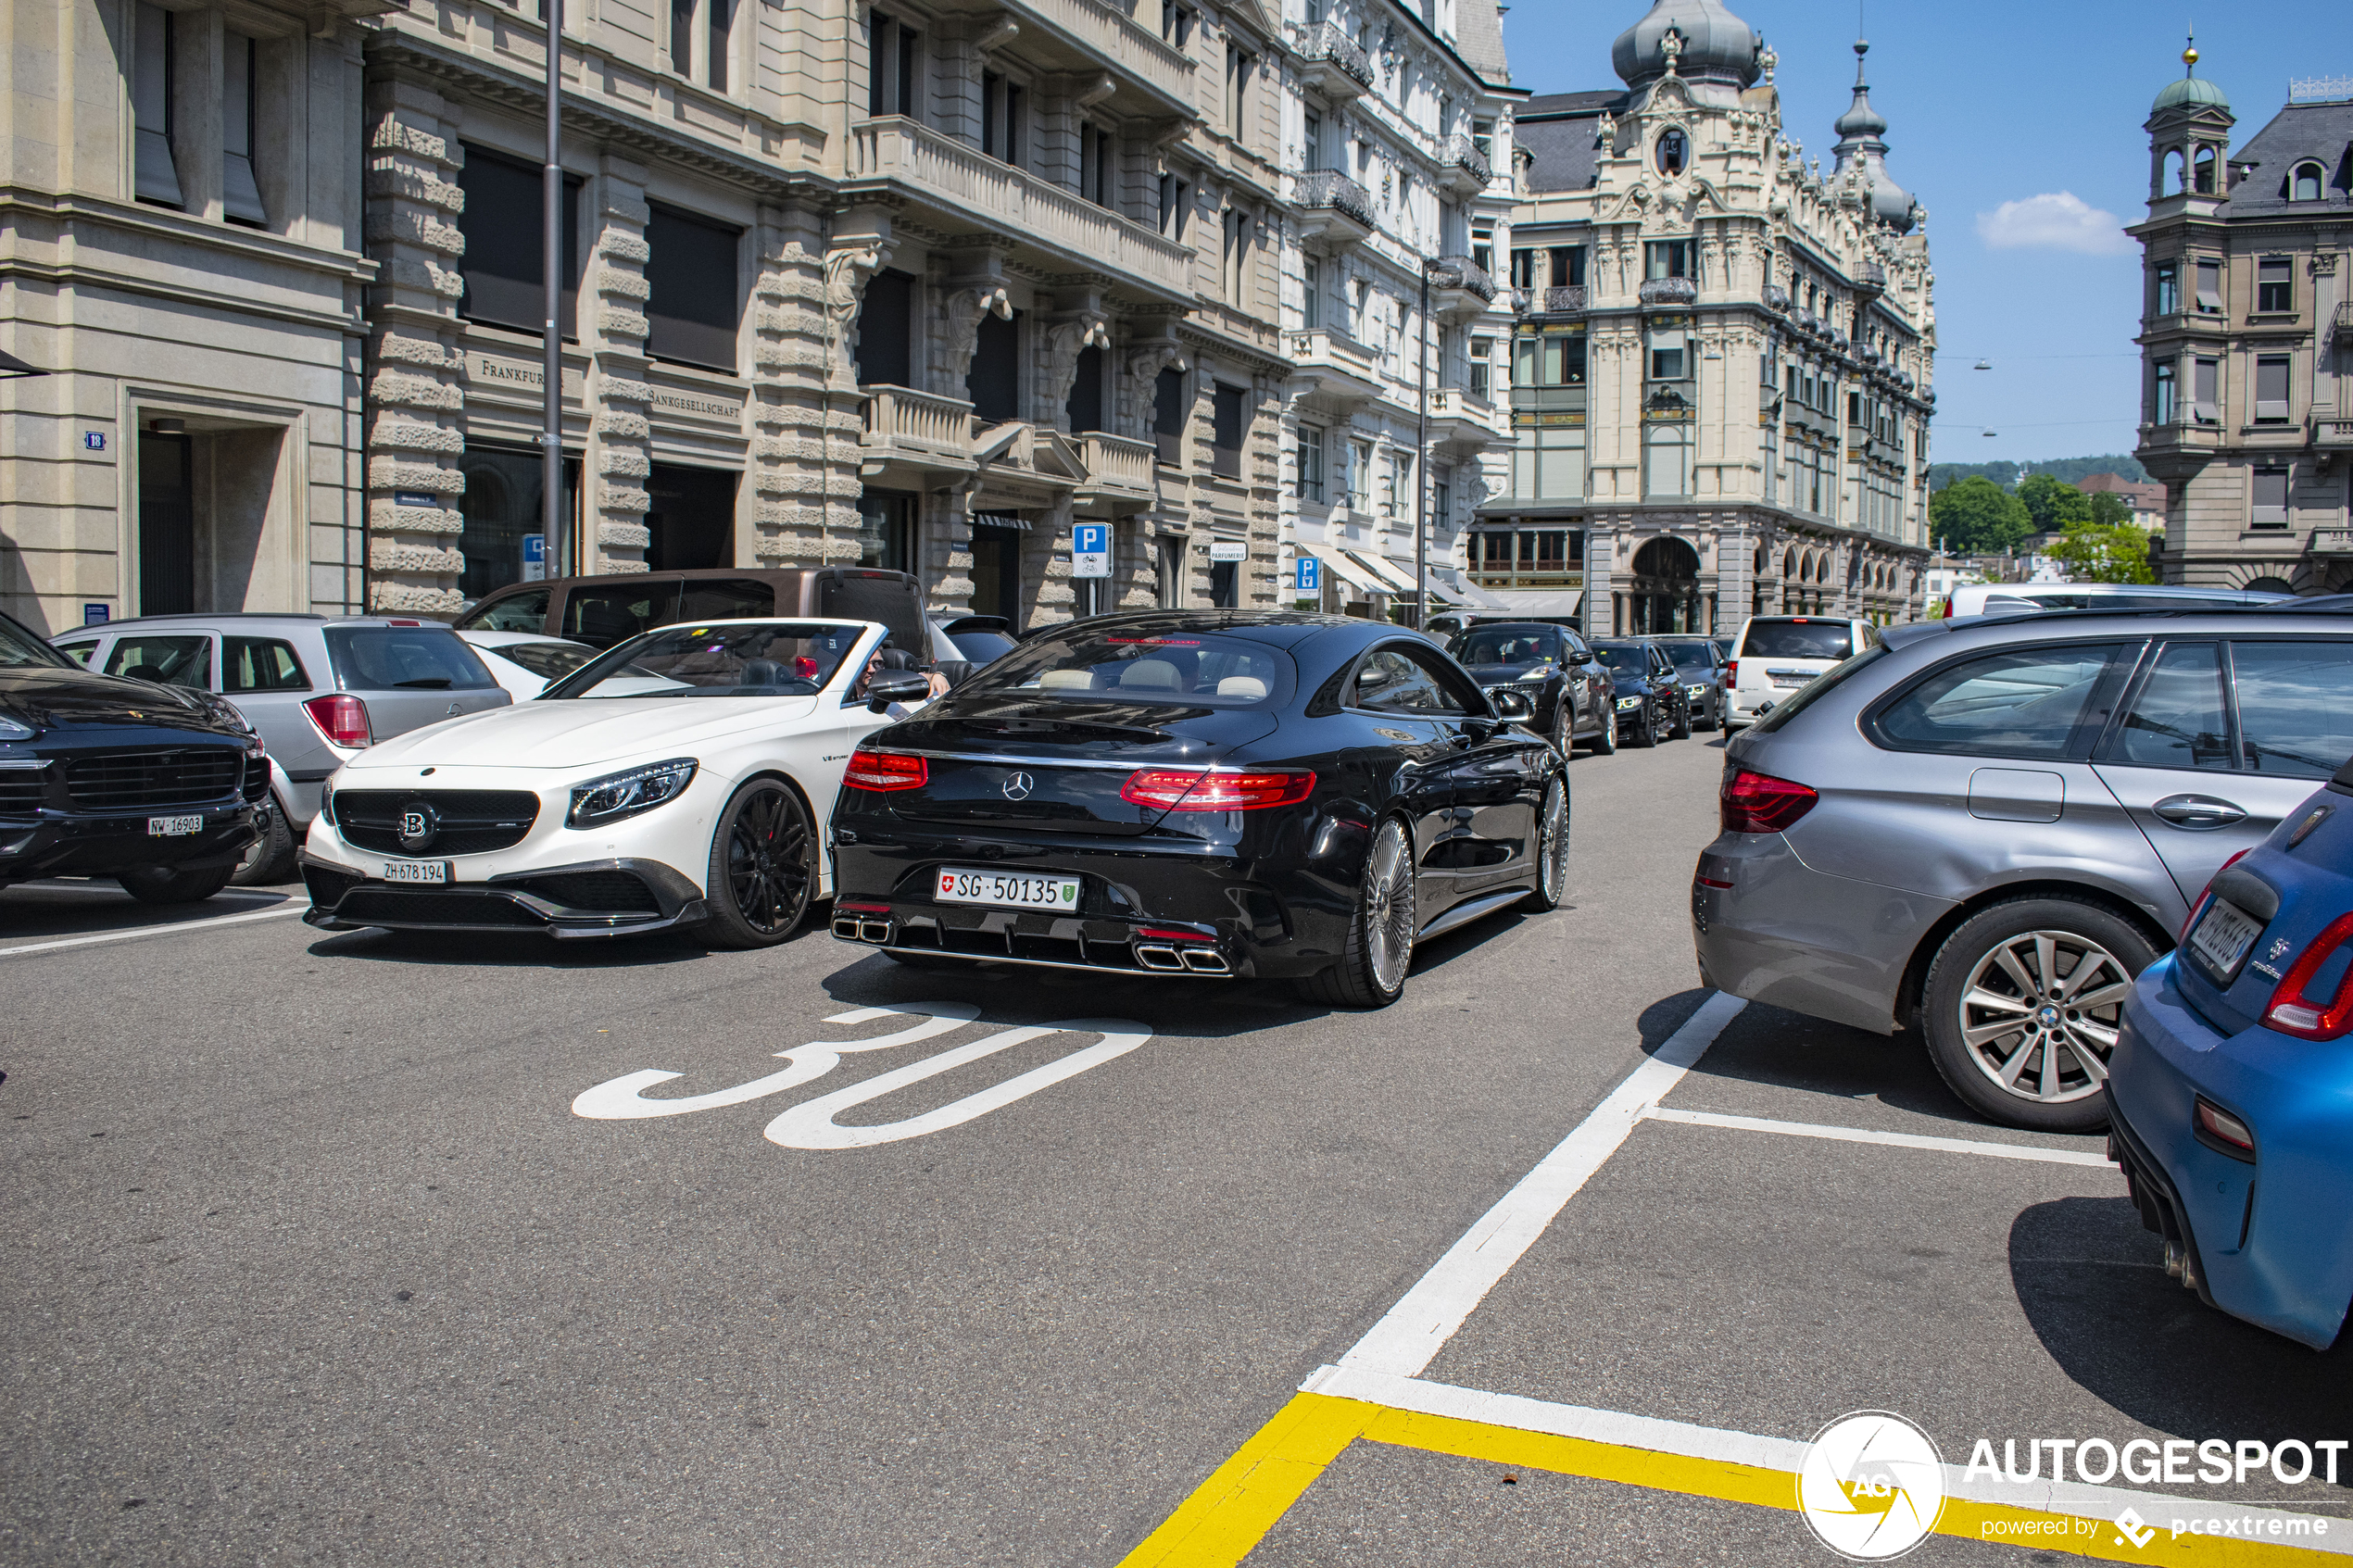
(553,523)
(1450,276)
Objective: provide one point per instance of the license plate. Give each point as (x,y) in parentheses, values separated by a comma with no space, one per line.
(416,871)
(173,827)
(1008,891)
(2223,937)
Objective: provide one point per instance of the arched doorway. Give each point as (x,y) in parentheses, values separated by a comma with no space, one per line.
(1664,596)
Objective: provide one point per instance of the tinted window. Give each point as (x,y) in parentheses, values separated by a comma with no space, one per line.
(260,664)
(1625,658)
(1515,645)
(779,658)
(2296,706)
(172,661)
(526,611)
(2021,702)
(726,599)
(505,243)
(1691,656)
(980,648)
(1192,669)
(886,597)
(550,661)
(601,616)
(1397,680)
(387,658)
(1817,688)
(886,324)
(1799,639)
(2179,720)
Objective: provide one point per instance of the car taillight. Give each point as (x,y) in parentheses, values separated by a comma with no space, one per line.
(1200,789)
(2199,903)
(885,770)
(342,717)
(2310,1018)
(1948,608)
(1732,673)
(1760,803)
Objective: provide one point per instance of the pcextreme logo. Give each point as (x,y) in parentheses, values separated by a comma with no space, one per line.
(1871,1486)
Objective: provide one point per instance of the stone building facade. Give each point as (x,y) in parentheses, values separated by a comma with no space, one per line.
(183,254)
(1723,383)
(2246,338)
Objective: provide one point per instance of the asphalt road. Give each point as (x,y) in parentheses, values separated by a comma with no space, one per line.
(309,1258)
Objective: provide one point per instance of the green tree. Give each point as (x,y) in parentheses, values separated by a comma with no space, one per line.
(2095,552)
(1978,517)
(2109,510)
(2054,504)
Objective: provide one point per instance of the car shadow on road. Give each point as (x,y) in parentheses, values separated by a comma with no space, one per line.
(2093,1285)
(518,950)
(49,911)
(1773,1047)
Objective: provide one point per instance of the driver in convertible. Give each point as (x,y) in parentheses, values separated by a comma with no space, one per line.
(894,659)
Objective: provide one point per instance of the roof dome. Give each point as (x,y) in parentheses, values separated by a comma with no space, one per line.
(1859,129)
(2192,90)
(1717,45)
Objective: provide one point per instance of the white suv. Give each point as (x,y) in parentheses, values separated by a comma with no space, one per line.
(1775,655)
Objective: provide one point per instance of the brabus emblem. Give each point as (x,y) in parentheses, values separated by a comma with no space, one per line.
(420,824)
(1017,788)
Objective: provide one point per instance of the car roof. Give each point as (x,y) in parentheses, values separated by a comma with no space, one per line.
(1279,628)
(196,622)
(2033,624)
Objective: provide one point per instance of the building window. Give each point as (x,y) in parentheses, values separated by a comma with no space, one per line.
(2168,289)
(1001,118)
(694,302)
(2271,388)
(1360,475)
(1084,405)
(1673,151)
(1483,138)
(1230,426)
(240,197)
(1175,203)
(2274,285)
(1523,269)
(887,530)
(1235,267)
(1240,63)
(1311,463)
(2271,498)
(718,17)
(1567,267)
(2209,288)
(1168,417)
(2206,390)
(886,330)
(1548,462)
(2306,183)
(1549,359)
(1667,258)
(1098,165)
(506,247)
(1667,354)
(1442,499)
(1176,24)
(1482,355)
(1482,250)
(994,382)
(1397,494)
(1171,562)
(151,64)
(1311,284)
(893,64)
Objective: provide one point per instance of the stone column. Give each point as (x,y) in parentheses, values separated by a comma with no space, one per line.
(415,404)
(805,384)
(618,458)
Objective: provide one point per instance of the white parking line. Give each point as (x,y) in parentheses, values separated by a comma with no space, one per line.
(1866,1134)
(1416,1328)
(151,931)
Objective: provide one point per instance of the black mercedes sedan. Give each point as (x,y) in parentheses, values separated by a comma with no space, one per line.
(1652,704)
(1207,794)
(1575,694)
(101,775)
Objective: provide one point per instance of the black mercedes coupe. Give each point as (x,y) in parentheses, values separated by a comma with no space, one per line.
(1206,793)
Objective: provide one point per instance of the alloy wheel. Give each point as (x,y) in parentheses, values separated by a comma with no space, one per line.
(1551,841)
(1388,908)
(2039,1014)
(768,861)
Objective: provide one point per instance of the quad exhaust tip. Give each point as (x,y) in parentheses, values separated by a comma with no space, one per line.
(850,928)
(1167,959)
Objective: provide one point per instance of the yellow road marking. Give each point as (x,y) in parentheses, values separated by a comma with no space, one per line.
(1229,1513)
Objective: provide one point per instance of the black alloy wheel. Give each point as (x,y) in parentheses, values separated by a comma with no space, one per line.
(1680,727)
(1645,726)
(762,868)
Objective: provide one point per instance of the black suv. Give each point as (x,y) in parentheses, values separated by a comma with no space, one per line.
(1575,696)
(102,775)
(1652,703)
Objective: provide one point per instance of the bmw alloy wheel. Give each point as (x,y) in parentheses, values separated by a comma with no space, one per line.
(1388,908)
(2039,1014)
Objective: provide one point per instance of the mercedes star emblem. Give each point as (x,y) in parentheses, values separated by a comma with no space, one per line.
(1018,785)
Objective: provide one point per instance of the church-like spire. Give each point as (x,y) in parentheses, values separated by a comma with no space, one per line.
(1860,130)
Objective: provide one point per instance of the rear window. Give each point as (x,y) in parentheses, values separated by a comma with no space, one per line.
(1515,645)
(260,664)
(1181,668)
(887,597)
(1799,639)
(601,616)
(396,658)
(2047,701)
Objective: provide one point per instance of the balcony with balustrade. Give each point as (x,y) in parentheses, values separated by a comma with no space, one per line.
(1119,474)
(1463,169)
(1333,63)
(915,434)
(1459,288)
(1335,212)
(2330,542)
(1460,422)
(2331,434)
(1333,366)
(958,189)
(1088,34)
(1668,291)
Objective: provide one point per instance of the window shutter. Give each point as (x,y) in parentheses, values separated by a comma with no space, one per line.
(158,181)
(2209,288)
(2205,401)
(2271,496)
(2271,388)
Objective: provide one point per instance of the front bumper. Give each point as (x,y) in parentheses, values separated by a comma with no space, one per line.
(59,844)
(2266,1240)
(620,896)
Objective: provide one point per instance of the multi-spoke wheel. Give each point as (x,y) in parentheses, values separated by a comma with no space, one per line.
(2022,1005)
(1371,973)
(762,868)
(1551,845)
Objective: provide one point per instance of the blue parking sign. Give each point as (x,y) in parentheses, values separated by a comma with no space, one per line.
(1310,577)
(1090,549)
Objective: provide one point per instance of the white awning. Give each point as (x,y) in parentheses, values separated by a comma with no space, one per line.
(1441,589)
(1484,598)
(1399,581)
(1347,571)
(1529,601)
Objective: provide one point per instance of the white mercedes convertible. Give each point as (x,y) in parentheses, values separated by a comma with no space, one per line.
(681,779)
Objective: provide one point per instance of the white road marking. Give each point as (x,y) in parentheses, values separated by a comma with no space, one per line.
(622,1098)
(1415,1329)
(811,1124)
(1894,1140)
(152,931)
(2082,1500)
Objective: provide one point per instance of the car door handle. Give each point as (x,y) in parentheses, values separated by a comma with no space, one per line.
(2197,811)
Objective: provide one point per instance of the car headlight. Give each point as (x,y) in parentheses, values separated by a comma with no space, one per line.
(12,730)
(1625,702)
(625,794)
(1543,672)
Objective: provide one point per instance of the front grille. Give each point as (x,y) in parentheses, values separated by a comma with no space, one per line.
(612,892)
(23,791)
(381,906)
(257,780)
(123,780)
(474,822)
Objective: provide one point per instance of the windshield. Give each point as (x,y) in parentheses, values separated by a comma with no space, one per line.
(1186,668)
(546,661)
(764,659)
(982,646)
(1799,639)
(1691,656)
(20,647)
(1514,645)
(1624,659)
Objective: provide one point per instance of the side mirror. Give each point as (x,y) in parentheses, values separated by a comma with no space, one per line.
(896,685)
(1511,706)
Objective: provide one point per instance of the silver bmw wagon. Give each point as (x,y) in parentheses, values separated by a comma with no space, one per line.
(1984,828)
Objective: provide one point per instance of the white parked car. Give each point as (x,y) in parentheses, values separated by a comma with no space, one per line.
(525,663)
(2007,598)
(1775,655)
(682,779)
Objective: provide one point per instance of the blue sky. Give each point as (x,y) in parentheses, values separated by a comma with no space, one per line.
(1991,103)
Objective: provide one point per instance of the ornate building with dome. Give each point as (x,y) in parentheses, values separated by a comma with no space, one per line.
(2247,337)
(1722,375)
